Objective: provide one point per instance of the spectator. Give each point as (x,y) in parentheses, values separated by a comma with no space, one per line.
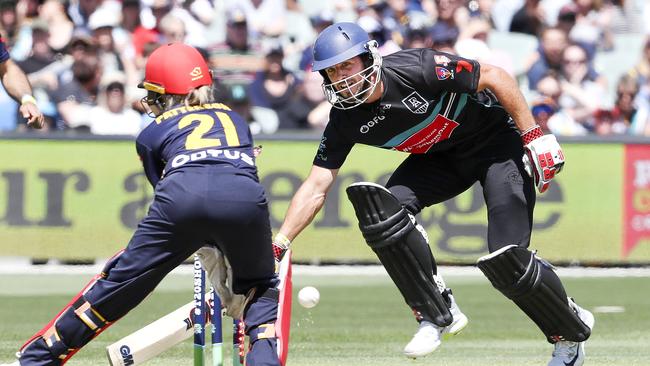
(443,37)
(59,26)
(172,29)
(266,18)
(40,75)
(318,22)
(583,92)
(547,110)
(310,109)
(641,71)
(417,36)
(377,32)
(592,29)
(9,24)
(236,60)
(112,115)
(275,87)
(548,57)
(101,24)
(473,43)
(260,120)
(395,20)
(80,11)
(529,19)
(75,99)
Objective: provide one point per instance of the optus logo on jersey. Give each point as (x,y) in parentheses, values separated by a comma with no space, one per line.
(370,124)
(213,153)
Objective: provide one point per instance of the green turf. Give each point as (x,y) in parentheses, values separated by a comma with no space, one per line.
(361,320)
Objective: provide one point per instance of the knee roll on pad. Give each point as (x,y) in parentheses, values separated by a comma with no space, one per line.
(531,283)
(389,231)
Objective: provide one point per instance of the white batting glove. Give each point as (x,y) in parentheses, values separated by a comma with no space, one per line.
(543,158)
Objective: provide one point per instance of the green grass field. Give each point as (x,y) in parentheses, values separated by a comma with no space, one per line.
(361,320)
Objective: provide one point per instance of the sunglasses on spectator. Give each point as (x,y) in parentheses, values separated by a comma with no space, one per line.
(575,61)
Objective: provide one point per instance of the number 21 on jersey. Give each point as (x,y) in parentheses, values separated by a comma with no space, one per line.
(196,139)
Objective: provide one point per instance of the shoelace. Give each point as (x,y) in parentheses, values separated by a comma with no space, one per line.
(565,349)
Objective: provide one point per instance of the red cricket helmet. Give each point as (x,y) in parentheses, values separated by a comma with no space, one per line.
(175,68)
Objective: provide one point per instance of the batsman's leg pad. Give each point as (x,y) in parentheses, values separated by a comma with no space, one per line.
(393,236)
(532,284)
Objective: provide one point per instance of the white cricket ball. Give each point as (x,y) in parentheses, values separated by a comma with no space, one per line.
(308,297)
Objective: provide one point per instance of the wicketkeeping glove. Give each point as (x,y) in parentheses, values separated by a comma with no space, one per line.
(543,158)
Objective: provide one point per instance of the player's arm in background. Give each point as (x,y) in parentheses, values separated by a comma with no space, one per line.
(307,201)
(506,89)
(17,86)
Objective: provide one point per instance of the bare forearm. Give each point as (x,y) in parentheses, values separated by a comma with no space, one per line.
(303,208)
(507,91)
(15,81)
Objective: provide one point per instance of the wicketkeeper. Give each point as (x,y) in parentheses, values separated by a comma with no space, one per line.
(198,155)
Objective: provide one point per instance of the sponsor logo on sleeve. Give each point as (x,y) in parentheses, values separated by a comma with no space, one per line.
(443,74)
(415,103)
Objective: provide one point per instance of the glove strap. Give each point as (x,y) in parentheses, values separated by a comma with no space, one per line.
(531,134)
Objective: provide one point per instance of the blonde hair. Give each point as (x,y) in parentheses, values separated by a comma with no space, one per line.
(201,95)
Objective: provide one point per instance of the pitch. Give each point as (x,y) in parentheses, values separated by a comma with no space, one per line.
(361,320)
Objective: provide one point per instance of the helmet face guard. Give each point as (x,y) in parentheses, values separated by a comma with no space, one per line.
(355,89)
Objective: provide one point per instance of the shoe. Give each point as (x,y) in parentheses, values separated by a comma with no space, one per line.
(427,338)
(567,353)
(15,363)
(460,320)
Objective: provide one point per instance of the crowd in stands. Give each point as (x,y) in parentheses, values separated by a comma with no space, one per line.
(85,58)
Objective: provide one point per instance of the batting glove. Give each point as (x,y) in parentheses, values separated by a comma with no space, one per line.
(543,158)
(280,246)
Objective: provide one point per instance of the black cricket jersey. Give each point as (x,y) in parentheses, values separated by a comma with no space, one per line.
(188,136)
(429,104)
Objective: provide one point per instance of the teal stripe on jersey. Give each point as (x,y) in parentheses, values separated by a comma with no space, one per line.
(460,106)
(406,134)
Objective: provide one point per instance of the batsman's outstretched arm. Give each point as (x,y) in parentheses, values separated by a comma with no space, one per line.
(507,91)
(307,201)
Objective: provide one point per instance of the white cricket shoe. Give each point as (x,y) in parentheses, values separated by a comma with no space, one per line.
(567,353)
(427,338)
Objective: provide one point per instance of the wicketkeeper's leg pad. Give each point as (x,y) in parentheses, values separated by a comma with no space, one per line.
(392,235)
(71,329)
(532,284)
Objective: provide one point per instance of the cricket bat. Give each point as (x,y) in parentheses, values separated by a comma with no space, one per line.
(283,323)
(154,338)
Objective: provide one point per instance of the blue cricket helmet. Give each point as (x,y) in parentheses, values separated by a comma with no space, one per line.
(340,42)
(337,43)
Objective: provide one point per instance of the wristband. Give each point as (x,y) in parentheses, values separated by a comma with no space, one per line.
(531,134)
(27,99)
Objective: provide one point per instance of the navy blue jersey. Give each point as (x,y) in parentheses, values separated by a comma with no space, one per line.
(429,103)
(4,54)
(188,136)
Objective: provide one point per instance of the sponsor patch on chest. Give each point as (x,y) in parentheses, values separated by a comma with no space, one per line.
(415,103)
(420,142)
